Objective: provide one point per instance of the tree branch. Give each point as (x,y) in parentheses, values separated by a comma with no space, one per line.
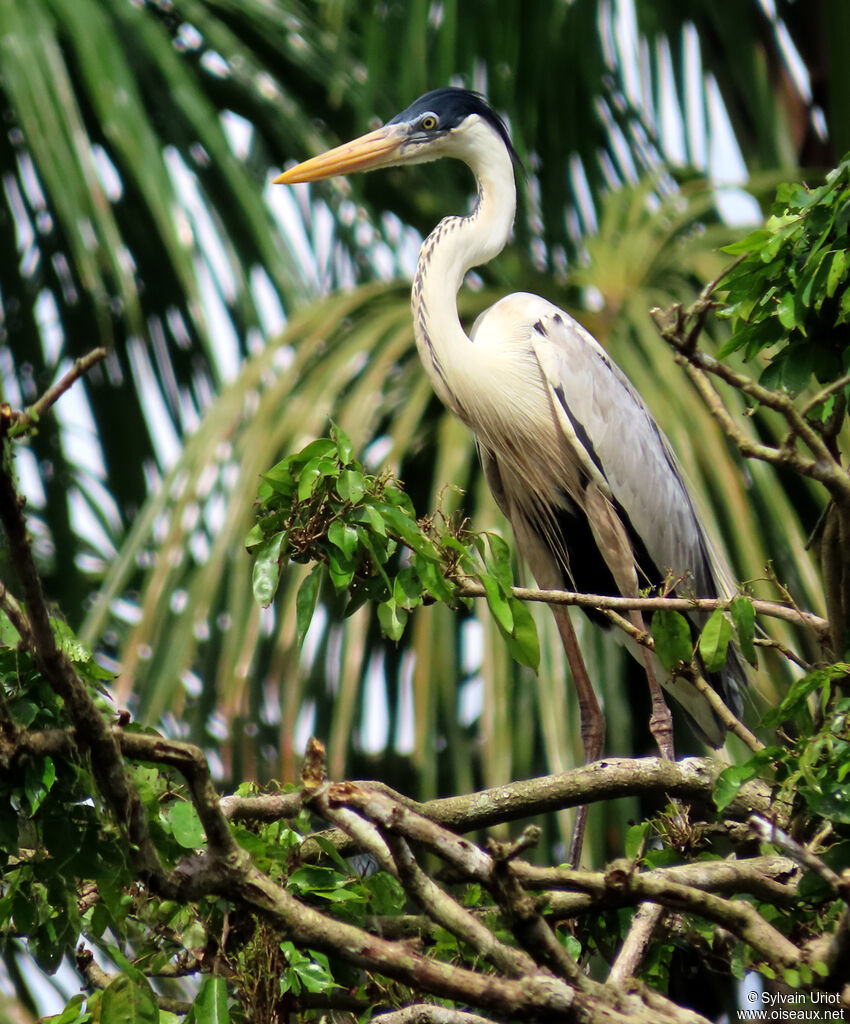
(91,729)
(690,779)
(618,886)
(469,588)
(759,876)
(20,422)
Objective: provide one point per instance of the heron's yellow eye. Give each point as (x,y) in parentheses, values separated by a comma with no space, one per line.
(428,122)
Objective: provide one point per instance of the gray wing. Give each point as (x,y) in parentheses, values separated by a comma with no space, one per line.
(630,451)
(646,483)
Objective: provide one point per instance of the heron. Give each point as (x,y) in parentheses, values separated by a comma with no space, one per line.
(573,457)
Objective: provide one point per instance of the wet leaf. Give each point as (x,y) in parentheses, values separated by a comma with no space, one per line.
(672,635)
(714,641)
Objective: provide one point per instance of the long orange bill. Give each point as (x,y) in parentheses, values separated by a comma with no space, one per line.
(364,154)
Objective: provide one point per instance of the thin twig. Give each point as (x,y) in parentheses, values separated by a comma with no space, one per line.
(726,715)
(771,833)
(784,650)
(17,616)
(821,396)
(603,602)
(23,421)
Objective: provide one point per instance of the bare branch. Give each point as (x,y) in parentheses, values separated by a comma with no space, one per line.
(726,716)
(621,885)
(769,832)
(269,807)
(825,392)
(450,915)
(690,779)
(19,422)
(636,943)
(770,878)
(469,588)
(363,833)
(426,1013)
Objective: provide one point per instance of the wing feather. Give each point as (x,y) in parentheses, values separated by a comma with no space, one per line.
(641,471)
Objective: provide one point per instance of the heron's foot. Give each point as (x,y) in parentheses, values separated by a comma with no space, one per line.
(661,727)
(592,733)
(577,837)
(592,736)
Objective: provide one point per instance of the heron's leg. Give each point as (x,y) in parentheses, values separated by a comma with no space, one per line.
(591,717)
(660,721)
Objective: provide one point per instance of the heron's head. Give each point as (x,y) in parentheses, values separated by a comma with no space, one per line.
(444,122)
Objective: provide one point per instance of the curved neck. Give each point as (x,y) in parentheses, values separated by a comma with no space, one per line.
(452,248)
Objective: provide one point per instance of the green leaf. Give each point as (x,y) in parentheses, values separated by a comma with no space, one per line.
(68,641)
(280,478)
(523,643)
(407,591)
(351,485)
(313,877)
(636,836)
(744,618)
(100,919)
(392,619)
(210,1004)
(795,701)
(837,272)
(730,780)
(340,569)
(266,573)
(314,976)
(72,1014)
(343,536)
(23,712)
(387,895)
(24,912)
(672,635)
(432,579)
(185,825)
(321,448)
(750,243)
(833,805)
(342,444)
(370,515)
(786,311)
(331,852)
(714,640)
(38,781)
(406,527)
(797,366)
(327,884)
(310,476)
(500,606)
(128,1001)
(305,604)
(499,562)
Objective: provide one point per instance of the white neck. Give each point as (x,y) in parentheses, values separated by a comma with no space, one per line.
(452,248)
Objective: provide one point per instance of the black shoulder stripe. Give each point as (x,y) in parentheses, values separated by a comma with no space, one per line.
(580,432)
